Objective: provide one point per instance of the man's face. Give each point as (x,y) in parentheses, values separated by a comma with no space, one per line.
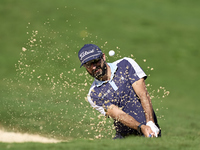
(96,68)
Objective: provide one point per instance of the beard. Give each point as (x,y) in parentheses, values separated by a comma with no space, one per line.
(99,72)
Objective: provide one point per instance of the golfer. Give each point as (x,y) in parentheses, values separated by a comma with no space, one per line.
(119,91)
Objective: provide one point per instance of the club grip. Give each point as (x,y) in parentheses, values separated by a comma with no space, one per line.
(149,135)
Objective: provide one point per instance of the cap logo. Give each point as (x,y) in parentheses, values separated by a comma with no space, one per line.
(89,52)
(83,54)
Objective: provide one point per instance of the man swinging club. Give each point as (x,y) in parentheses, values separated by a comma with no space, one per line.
(119,91)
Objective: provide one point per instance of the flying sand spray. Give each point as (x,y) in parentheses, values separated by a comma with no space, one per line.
(43,52)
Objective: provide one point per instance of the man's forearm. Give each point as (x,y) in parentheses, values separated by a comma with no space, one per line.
(119,115)
(148,109)
(141,91)
(122,117)
(128,121)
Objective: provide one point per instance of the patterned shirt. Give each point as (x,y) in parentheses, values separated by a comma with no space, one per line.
(118,91)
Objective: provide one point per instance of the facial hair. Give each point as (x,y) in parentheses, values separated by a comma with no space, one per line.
(101,71)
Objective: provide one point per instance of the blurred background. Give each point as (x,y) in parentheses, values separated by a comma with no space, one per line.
(42,87)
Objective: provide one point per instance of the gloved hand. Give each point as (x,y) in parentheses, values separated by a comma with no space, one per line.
(154,128)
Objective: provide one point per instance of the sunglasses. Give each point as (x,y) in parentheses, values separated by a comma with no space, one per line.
(92,62)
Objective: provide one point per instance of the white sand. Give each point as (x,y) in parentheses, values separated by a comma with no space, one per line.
(11,137)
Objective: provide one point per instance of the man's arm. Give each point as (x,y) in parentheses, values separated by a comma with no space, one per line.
(141,91)
(119,115)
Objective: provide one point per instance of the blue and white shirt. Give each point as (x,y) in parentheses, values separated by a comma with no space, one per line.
(118,91)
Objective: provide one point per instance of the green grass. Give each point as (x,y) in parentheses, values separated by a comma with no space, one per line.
(173,143)
(43,90)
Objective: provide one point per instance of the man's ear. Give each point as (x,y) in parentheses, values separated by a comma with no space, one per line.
(104,57)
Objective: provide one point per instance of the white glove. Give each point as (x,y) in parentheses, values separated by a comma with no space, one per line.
(154,128)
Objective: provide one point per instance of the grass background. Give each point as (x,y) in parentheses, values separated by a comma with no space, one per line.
(43,89)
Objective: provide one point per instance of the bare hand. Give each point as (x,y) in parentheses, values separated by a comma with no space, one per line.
(146,130)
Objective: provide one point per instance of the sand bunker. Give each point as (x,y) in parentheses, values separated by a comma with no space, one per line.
(11,137)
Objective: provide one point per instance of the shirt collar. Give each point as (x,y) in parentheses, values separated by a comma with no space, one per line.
(113,68)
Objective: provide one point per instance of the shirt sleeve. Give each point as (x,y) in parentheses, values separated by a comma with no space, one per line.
(134,71)
(96,102)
